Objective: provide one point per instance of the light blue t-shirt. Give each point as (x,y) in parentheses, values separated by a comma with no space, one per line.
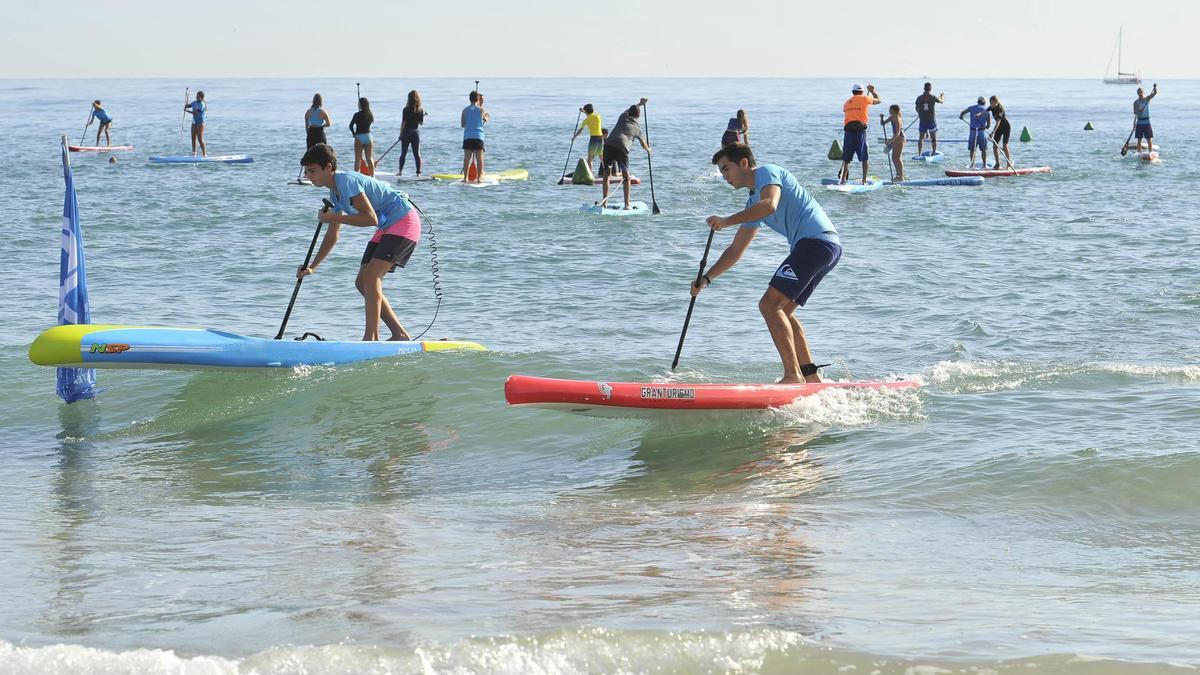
(474,125)
(198,109)
(1142,105)
(100,114)
(314,118)
(798,215)
(978,117)
(389,203)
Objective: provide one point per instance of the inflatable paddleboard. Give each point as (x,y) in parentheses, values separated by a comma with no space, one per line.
(98,148)
(991,173)
(511,174)
(107,346)
(487,181)
(633,180)
(933,182)
(636,208)
(638,399)
(211,159)
(852,187)
(929,157)
(1149,156)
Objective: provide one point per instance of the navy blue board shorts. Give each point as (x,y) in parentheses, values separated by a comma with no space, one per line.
(810,260)
(927,126)
(977,138)
(1144,131)
(854,143)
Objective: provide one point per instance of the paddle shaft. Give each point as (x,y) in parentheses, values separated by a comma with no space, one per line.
(89,123)
(183,122)
(1125,148)
(650,169)
(307,259)
(887,151)
(692,305)
(567,163)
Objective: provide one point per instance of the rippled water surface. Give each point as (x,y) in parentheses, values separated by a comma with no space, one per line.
(1033,505)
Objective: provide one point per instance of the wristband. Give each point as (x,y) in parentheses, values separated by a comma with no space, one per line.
(707,279)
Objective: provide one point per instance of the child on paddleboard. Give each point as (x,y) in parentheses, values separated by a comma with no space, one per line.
(198,108)
(896,142)
(363,201)
(737,130)
(778,201)
(595,137)
(473,119)
(99,114)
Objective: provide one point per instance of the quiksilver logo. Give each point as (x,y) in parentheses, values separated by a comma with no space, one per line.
(605,390)
(785,271)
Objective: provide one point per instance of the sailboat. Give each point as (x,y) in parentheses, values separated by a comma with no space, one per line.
(1122,77)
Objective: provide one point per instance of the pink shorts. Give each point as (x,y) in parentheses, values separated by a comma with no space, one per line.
(408,227)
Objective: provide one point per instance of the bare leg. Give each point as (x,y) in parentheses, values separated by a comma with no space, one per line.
(604,185)
(865,163)
(933,142)
(625,183)
(369,283)
(194,140)
(480,165)
(787,335)
(466,163)
(200,138)
(368,158)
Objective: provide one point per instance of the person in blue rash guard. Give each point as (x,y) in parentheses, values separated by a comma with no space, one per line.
(1141,111)
(979,123)
(363,201)
(105,120)
(473,119)
(198,108)
(778,201)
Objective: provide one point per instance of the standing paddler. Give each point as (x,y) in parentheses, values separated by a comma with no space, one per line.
(1141,113)
(778,201)
(854,126)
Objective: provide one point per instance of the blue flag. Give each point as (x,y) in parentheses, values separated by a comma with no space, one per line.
(74,384)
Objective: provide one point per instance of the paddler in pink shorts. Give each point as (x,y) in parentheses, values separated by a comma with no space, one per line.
(363,201)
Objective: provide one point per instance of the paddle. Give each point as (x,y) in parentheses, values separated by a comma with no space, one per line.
(650,166)
(183,122)
(1125,148)
(887,150)
(572,148)
(691,305)
(85,128)
(307,259)
(385,152)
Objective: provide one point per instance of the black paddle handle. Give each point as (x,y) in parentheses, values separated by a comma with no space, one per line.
(307,259)
(692,305)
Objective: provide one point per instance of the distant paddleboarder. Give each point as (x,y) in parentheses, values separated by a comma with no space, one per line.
(927,116)
(198,108)
(315,122)
(363,201)
(979,123)
(1001,132)
(897,139)
(778,201)
(617,145)
(473,119)
(1141,113)
(595,135)
(737,130)
(854,127)
(105,120)
(360,126)
(411,120)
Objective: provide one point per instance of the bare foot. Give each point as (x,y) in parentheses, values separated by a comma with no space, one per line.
(399,338)
(789,379)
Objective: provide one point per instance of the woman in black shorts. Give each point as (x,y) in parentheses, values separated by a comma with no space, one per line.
(1001,131)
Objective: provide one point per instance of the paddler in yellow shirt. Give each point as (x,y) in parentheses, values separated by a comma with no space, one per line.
(596,138)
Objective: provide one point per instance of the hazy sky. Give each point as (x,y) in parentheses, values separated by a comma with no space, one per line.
(556,38)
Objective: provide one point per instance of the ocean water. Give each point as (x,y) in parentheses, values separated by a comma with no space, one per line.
(1032,507)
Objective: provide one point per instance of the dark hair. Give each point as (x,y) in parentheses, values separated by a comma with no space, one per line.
(587,108)
(473,96)
(200,95)
(735,152)
(893,108)
(96,102)
(414,101)
(633,112)
(928,86)
(321,154)
(317,101)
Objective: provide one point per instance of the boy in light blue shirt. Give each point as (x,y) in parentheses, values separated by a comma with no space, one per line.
(979,123)
(778,201)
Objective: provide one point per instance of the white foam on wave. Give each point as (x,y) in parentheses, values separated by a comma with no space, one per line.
(855,407)
(983,376)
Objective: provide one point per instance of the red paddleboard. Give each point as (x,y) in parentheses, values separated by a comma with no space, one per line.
(991,173)
(631,399)
(98,148)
